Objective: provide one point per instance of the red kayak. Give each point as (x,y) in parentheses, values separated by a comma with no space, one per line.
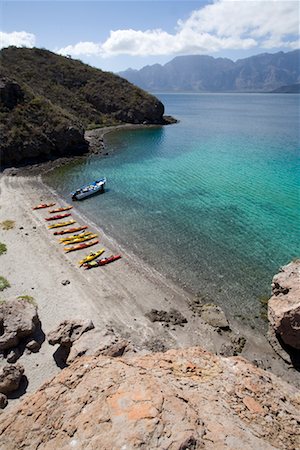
(80,246)
(101,262)
(58,216)
(58,210)
(70,230)
(43,205)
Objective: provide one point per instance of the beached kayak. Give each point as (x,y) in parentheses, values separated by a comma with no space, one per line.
(91,256)
(58,216)
(80,246)
(74,236)
(101,262)
(57,210)
(43,205)
(62,224)
(82,239)
(70,230)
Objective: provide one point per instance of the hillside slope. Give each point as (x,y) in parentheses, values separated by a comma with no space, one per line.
(47,100)
(199,73)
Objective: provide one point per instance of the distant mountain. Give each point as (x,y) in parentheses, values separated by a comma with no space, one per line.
(196,73)
(289,89)
(47,101)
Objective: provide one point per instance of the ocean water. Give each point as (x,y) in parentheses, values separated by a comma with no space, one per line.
(211,202)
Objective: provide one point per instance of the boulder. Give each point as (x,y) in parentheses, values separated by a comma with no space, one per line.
(18,319)
(182,399)
(69,331)
(284,305)
(10,377)
(172,317)
(97,342)
(214,316)
(3,401)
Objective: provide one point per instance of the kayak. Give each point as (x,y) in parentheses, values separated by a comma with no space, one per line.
(70,230)
(74,236)
(62,224)
(80,246)
(43,205)
(91,256)
(101,262)
(57,210)
(58,216)
(82,239)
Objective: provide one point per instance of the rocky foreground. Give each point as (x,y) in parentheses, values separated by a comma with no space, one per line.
(181,399)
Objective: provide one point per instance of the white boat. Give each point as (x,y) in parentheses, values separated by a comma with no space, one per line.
(89,189)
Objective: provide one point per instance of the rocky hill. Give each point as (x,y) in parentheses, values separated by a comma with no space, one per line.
(182,399)
(47,101)
(198,73)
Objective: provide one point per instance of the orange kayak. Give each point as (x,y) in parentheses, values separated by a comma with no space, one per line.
(80,246)
(58,216)
(43,205)
(70,230)
(57,210)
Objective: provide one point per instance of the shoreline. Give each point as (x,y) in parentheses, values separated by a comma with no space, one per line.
(117,296)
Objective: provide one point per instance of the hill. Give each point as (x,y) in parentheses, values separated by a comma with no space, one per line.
(47,101)
(289,89)
(198,73)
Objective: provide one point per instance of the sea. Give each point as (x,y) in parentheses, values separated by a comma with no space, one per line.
(211,202)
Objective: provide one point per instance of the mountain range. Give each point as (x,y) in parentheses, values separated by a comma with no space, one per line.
(198,73)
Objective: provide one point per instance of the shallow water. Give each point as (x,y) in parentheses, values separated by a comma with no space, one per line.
(212,202)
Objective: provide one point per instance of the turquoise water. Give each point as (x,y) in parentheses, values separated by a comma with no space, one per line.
(211,202)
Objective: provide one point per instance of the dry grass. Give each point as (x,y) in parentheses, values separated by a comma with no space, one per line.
(7,224)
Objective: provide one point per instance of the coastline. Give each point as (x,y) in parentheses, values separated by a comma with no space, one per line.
(117,296)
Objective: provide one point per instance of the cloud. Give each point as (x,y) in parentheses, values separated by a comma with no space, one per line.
(17,38)
(222,25)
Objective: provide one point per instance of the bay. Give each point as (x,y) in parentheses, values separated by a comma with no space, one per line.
(211,202)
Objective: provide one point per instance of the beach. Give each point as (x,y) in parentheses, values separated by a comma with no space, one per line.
(116,297)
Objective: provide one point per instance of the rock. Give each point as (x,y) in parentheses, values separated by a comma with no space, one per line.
(173,316)
(234,347)
(18,319)
(13,355)
(182,399)
(214,316)
(3,401)
(65,282)
(69,331)
(10,377)
(33,346)
(97,342)
(284,305)
(10,93)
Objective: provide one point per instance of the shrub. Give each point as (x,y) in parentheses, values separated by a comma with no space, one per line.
(3,248)
(7,224)
(3,283)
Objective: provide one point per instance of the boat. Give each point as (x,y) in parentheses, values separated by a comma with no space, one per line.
(57,210)
(70,230)
(101,262)
(58,216)
(43,205)
(62,224)
(80,246)
(91,256)
(82,239)
(89,189)
(74,236)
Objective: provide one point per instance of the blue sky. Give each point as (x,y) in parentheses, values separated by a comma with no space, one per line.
(114,35)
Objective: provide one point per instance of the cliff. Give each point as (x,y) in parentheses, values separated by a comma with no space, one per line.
(47,101)
(181,399)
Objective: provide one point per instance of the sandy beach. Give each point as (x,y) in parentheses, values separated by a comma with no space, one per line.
(116,296)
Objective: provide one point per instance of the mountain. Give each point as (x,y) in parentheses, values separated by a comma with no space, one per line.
(196,73)
(47,101)
(289,89)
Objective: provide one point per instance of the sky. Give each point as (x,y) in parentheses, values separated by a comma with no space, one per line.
(117,34)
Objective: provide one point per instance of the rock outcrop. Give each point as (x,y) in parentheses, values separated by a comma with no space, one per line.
(69,331)
(18,320)
(284,305)
(181,399)
(10,93)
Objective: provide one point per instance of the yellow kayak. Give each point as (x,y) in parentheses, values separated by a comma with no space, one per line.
(77,241)
(62,224)
(91,256)
(75,236)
